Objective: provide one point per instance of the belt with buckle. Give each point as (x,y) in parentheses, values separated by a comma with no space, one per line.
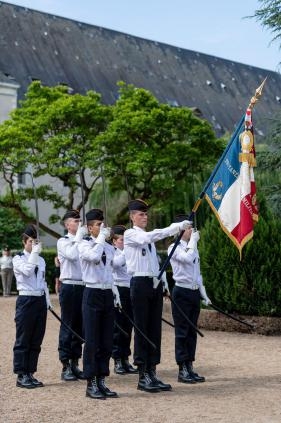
(72,282)
(143,274)
(193,286)
(32,293)
(99,285)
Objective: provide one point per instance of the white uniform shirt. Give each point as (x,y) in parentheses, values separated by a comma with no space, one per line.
(68,255)
(185,263)
(139,259)
(120,274)
(25,273)
(6,262)
(93,269)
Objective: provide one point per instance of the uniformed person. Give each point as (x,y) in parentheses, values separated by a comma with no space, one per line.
(187,292)
(96,257)
(31,309)
(121,343)
(6,266)
(70,296)
(146,292)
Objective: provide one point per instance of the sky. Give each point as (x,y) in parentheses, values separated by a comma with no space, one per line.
(216,27)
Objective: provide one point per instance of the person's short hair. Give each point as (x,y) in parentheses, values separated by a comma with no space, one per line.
(94,214)
(6,248)
(138,205)
(181,217)
(118,229)
(30,232)
(73,213)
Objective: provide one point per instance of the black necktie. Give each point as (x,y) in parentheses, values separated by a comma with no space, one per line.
(103,257)
(36,270)
(149,247)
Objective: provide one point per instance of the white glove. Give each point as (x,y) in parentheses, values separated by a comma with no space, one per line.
(34,255)
(48,300)
(179,226)
(195,236)
(36,247)
(166,290)
(103,235)
(81,232)
(116,296)
(205,299)
(156,282)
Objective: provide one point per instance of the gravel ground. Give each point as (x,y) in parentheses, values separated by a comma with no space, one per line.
(243,381)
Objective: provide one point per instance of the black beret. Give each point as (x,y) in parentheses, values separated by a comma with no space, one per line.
(118,229)
(71,214)
(94,214)
(138,205)
(181,217)
(31,231)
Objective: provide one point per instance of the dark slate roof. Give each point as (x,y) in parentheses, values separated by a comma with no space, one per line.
(7,79)
(36,45)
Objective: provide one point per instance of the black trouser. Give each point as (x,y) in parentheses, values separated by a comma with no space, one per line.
(185,336)
(70,347)
(147,304)
(121,343)
(30,318)
(98,317)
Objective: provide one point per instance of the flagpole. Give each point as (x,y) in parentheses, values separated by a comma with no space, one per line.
(253,101)
(251,105)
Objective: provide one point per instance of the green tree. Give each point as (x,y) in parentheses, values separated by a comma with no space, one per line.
(11,226)
(151,149)
(269,14)
(250,286)
(55,133)
(268,173)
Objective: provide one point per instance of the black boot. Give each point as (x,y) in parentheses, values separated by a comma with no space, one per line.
(184,375)
(67,374)
(35,382)
(128,367)
(157,382)
(75,369)
(145,382)
(119,369)
(24,381)
(93,390)
(195,376)
(104,389)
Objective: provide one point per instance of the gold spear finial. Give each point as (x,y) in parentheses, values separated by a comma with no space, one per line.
(257,95)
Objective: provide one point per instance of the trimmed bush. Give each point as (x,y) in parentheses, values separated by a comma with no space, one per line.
(250,286)
(49,257)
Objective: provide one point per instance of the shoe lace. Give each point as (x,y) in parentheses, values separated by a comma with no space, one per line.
(94,382)
(102,383)
(147,377)
(153,376)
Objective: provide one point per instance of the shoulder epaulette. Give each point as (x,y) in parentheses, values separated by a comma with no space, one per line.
(87,238)
(19,253)
(66,237)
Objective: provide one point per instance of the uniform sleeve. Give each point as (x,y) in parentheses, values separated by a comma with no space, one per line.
(135,237)
(90,252)
(200,280)
(118,260)
(21,266)
(67,249)
(181,255)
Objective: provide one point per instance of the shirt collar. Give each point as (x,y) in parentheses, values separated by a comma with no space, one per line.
(138,228)
(184,243)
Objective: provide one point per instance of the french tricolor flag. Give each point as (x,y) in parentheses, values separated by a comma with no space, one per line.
(231,189)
